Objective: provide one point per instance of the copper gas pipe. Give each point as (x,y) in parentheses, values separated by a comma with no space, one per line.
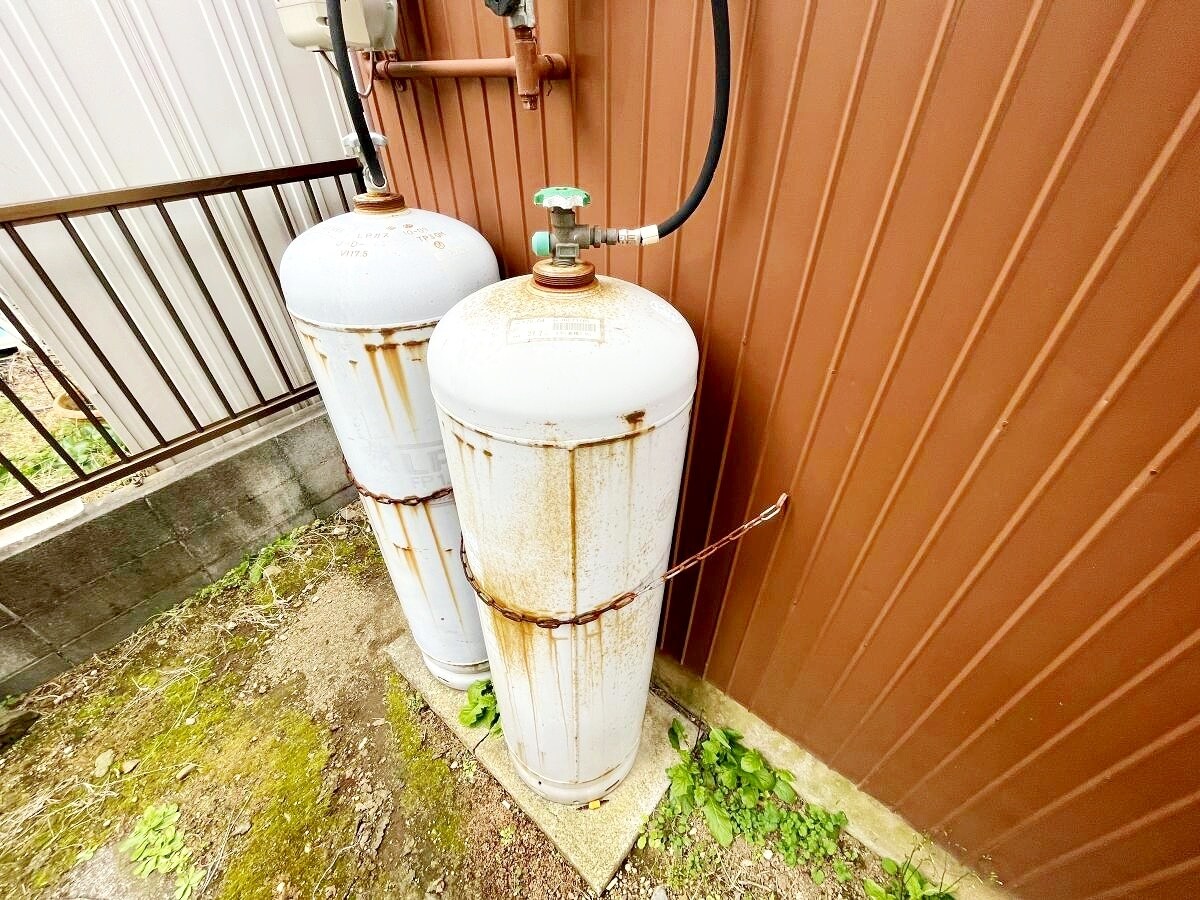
(529,67)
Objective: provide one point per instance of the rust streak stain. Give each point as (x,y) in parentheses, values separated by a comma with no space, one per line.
(630,489)
(514,640)
(317,353)
(534,706)
(599,662)
(396,509)
(574,638)
(441,557)
(416,349)
(599,442)
(574,535)
(410,558)
(558,682)
(394,367)
(380,382)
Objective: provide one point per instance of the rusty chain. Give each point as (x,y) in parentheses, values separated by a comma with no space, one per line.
(410,500)
(621,600)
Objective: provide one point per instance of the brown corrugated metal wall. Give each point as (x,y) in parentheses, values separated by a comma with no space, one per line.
(945,291)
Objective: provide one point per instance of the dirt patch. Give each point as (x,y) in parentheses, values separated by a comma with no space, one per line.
(332,640)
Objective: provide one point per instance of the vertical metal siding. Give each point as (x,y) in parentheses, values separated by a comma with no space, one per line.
(945,291)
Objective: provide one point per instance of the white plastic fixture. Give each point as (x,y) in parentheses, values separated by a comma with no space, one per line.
(364,290)
(369,24)
(565,416)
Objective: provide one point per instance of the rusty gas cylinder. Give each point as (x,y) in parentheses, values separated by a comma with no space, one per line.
(564,402)
(365,290)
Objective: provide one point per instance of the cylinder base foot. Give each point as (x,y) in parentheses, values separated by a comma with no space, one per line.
(573,793)
(458,677)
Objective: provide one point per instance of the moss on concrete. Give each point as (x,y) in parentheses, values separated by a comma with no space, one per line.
(428,801)
(295,826)
(175,698)
(163,728)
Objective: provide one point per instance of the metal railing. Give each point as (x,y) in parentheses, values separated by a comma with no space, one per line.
(232,412)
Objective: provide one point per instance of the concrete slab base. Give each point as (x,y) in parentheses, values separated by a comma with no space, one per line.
(594,841)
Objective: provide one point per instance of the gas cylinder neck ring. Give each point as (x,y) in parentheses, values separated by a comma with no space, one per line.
(557,277)
(384,202)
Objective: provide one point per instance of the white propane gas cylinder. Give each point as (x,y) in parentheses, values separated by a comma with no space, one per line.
(364,290)
(565,415)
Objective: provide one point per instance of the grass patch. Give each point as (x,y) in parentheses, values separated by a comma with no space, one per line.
(38,461)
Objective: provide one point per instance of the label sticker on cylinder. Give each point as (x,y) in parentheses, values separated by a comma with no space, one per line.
(555,328)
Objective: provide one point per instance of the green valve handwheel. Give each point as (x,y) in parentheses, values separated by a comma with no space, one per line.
(562,198)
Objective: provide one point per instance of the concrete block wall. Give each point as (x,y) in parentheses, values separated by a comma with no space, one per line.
(85,584)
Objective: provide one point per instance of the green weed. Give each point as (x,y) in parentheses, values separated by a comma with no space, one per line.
(905,882)
(738,793)
(157,844)
(480,710)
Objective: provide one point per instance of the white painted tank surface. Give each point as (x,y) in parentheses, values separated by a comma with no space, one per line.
(565,415)
(365,290)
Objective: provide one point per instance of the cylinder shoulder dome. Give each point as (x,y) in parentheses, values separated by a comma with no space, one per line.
(371,269)
(571,366)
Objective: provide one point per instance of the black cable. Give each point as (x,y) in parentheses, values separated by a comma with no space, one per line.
(720,22)
(337,34)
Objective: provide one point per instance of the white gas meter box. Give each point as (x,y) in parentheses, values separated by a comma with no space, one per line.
(369,24)
(565,411)
(365,290)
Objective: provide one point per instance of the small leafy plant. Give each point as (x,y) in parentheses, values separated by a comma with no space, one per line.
(480,709)
(738,792)
(157,844)
(841,869)
(905,882)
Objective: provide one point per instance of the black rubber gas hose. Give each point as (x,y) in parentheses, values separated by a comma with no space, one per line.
(716,139)
(341,56)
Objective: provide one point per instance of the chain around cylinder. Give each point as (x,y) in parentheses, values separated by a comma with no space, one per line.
(621,600)
(410,500)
